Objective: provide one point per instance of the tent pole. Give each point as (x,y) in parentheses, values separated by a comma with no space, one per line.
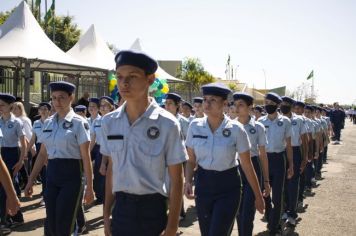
(27,85)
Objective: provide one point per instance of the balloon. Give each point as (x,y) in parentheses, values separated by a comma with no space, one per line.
(158,93)
(112,84)
(158,100)
(165,89)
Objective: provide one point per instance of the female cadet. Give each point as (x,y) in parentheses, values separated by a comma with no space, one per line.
(13,134)
(257,111)
(81,110)
(65,138)
(212,144)
(298,137)
(256,133)
(142,140)
(43,109)
(187,108)
(278,131)
(198,107)
(172,105)
(106,106)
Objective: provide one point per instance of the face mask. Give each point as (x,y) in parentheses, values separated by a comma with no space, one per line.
(270,109)
(285,109)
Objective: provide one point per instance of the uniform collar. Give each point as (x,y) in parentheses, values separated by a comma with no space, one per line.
(69,116)
(223,123)
(12,118)
(252,122)
(152,112)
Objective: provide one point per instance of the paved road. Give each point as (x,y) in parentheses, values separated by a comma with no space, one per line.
(331,211)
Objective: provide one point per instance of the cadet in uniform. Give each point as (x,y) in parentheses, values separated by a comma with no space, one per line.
(43,109)
(81,110)
(187,108)
(257,136)
(258,112)
(198,107)
(232,111)
(65,138)
(278,130)
(299,136)
(324,113)
(212,144)
(172,105)
(142,141)
(13,134)
(324,135)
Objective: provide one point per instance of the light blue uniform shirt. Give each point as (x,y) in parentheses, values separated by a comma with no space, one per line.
(91,122)
(141,152)
(257,135)
(37,128)
(97,131)
(277,131)
(324,124)
(63,137)
(184,124)
(12,130)
(298,129)
(218,150)
(0,139)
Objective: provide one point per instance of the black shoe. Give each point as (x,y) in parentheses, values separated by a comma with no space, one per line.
(4,229)
(82,230)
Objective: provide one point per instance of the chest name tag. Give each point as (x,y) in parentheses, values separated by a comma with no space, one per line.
(200,136)
(47,131)
(115,137)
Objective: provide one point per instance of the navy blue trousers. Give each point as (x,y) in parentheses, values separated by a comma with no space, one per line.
(139,214)
(10,157)
(218,195)
(43,170)
(309,170)
(277,174)
(247,209)
(63,196)
(293,184)
(99,180)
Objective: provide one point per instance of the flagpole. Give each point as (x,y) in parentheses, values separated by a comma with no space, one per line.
(312,87)
(264,73)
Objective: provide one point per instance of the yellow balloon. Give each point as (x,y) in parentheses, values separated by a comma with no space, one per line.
(112,84)
(165,89)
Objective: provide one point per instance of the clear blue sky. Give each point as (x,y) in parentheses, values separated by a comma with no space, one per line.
(287,38)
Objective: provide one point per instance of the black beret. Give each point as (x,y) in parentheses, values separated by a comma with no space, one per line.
(299,103)
(259,108)
(94,100)
(273,97)
(175,97)
(46,104)
(244,96)
(198,100)
(216,89)
(8,98)
(309,107)
(80,108)
(107,98)
(137,59)
(288,100)
(185,103)
(62,86)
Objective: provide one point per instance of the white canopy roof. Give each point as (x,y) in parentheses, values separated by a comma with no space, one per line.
(93,50)
(160,73)
(21,37)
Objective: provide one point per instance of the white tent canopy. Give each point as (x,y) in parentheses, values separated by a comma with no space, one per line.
(92,50)
(23,40)
(160,73)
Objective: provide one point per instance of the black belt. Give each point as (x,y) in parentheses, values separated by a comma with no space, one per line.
(144,197)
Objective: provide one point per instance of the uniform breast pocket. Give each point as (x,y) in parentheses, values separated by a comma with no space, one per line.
(201,148)
(151,154)
(115,146)
(225,147)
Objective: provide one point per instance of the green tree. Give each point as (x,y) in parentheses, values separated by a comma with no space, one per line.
(4,16)
(193,71)
(232,86)
(67,33)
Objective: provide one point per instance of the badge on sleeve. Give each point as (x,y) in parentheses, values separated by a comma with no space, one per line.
(226,133)
(294,122)
(252,130)
(153,132)
(280,123)
(10,126)
(67,125)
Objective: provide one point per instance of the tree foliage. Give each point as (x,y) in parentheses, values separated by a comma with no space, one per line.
(193,71)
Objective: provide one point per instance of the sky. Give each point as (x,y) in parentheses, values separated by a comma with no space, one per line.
(286,39)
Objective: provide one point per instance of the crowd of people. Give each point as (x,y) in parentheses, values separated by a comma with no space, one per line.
(139,158)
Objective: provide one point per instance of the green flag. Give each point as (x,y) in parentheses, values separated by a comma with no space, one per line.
(38,3)
(311,75)
(49,17)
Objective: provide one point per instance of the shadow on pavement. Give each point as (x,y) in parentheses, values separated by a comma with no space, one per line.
(95,224)
(30,225)
(191,216)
